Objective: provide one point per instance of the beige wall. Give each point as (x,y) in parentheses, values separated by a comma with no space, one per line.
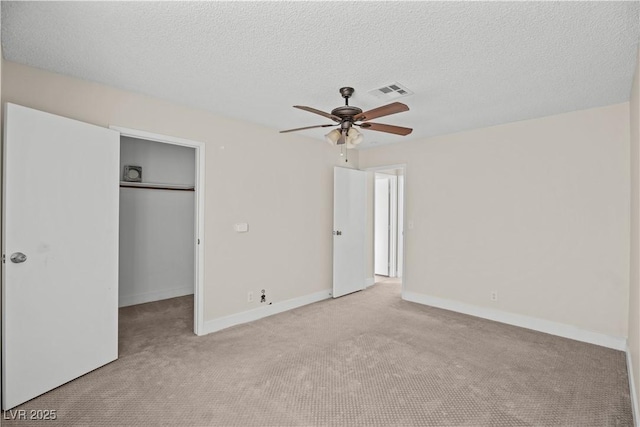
(281,184)
(537,210)
(634,289)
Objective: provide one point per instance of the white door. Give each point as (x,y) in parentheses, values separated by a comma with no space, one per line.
(381,227)
(400,265)
(60,303)
(349,216)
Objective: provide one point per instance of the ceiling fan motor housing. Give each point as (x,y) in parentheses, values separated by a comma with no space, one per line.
(346,112)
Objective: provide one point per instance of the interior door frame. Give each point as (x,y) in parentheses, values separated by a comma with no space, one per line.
(400,272)
(198,241)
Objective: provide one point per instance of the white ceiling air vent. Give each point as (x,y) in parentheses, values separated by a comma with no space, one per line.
(391,91)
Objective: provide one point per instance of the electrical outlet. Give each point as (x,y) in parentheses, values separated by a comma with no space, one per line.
(494,296)
(250,296)
(263,297)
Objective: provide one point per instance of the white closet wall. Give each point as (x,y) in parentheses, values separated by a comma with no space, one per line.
(156,226)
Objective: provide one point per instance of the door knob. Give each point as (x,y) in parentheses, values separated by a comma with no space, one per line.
(18,257)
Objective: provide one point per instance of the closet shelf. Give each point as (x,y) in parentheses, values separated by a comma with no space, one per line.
(155,186)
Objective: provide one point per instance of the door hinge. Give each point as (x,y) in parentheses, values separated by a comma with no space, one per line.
(3,259)
(198,241)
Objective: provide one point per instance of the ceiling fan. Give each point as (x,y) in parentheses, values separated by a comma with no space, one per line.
(347,116)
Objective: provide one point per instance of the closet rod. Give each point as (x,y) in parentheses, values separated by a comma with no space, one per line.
(156,186)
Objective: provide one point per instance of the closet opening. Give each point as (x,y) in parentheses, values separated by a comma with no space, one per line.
(161,224)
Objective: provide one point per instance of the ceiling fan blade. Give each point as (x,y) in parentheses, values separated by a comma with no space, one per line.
(322,113)
(398,130)
(385,110)
(306,127)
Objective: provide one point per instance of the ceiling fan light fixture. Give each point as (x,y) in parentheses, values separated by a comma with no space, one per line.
(354,138)
(333,137)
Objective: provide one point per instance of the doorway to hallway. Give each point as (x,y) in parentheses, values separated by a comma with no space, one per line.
(388,223)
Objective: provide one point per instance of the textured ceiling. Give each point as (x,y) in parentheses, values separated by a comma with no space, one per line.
(469,64)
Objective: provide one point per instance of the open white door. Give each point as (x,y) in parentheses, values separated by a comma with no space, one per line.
(349,217)
(382,226)
(400,265)
(60,251)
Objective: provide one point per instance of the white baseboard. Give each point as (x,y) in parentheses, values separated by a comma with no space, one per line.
(126,300)
(258,313)
(540,325)
(370,281)
(632,389)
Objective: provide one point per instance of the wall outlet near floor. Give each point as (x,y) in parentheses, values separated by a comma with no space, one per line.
(263,297)
(250,296)
(494,296)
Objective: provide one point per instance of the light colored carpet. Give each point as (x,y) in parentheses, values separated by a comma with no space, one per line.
(366,359)
(385,279)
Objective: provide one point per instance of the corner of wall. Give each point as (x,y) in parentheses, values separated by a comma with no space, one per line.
(1,144)
(633,348)
(523,321)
